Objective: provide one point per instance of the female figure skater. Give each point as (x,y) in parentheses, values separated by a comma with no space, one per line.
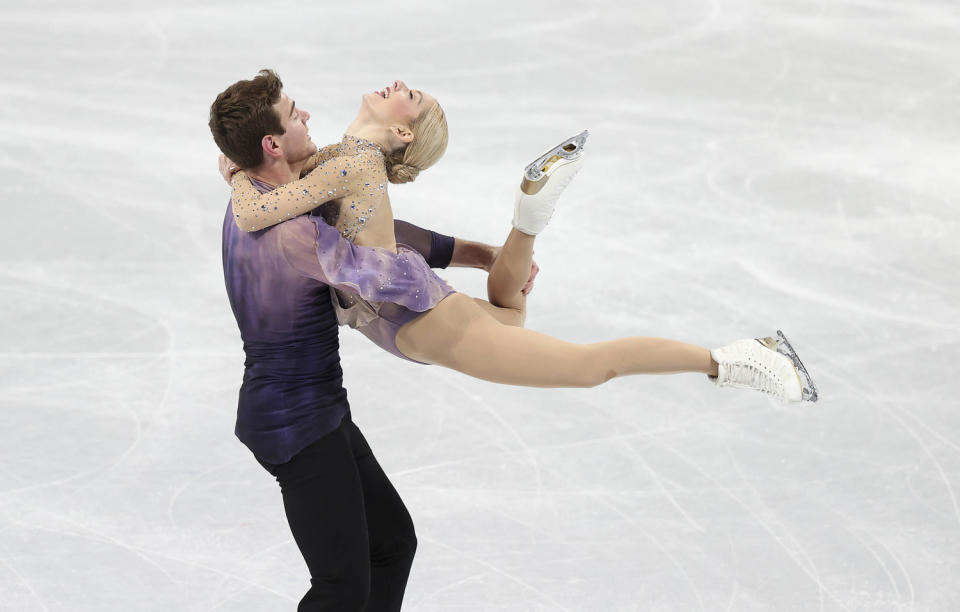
(399,132)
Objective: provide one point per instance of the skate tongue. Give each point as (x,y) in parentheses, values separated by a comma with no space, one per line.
(770,343)
(532,187)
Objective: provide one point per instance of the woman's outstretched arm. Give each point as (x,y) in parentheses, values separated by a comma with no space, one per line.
(337,177)
(228,167)
(323,154)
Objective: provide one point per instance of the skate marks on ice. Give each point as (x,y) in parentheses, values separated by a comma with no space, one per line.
(832,120)
(65,368)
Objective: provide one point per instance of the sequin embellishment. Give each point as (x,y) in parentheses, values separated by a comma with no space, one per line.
(348,175)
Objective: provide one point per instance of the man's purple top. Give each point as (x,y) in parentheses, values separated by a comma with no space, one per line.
(278,281)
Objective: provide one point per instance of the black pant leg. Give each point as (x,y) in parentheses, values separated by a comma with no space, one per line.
(393,541)
(324,504)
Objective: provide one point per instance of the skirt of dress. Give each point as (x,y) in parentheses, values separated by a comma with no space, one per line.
(381,320)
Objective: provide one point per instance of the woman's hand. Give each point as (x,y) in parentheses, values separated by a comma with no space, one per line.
(227,167)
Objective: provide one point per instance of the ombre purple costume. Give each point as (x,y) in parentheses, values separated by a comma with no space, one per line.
(280,281)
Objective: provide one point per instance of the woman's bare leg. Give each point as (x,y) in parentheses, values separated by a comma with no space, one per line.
(507,316)
(460,335)
(509,274)
(543,181)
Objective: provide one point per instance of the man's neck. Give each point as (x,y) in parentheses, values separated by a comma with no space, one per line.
(276,173)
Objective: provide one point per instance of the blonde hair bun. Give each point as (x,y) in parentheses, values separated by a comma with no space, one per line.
(429,143)
(402,173)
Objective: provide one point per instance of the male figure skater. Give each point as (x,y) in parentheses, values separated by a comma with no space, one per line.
(349,523)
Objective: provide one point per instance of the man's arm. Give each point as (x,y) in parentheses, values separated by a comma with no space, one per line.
(442,251)
(469,254)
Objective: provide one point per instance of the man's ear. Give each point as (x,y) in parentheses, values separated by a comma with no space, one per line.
(270,146)
(402,133)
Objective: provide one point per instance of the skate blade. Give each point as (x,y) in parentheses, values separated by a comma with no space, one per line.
(782,346)
(568,149)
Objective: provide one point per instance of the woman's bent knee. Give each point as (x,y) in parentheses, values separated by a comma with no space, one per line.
(513,317)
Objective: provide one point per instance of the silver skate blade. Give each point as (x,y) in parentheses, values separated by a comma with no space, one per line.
(784,348)
(568,149)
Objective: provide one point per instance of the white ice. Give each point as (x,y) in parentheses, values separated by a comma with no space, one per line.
(753,165)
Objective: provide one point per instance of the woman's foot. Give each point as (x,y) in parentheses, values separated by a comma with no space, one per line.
(768,365)
(543,181)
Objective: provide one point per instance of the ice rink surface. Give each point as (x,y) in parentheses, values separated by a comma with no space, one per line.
(753,165)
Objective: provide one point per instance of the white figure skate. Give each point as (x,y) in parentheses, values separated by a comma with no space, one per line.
(543,181)
(768,365)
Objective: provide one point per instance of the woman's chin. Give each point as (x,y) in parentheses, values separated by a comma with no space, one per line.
(367,101)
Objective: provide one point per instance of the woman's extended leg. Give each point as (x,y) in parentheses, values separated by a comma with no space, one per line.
(460,335)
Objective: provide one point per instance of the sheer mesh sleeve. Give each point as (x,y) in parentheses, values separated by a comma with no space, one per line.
(318,251)
(335,178)
(322,155)
(436,248)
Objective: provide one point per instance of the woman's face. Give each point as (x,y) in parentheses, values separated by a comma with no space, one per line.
(398,104)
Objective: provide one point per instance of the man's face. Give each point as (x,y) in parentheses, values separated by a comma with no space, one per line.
(295,142)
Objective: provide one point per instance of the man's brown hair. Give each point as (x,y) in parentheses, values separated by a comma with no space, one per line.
(243,114)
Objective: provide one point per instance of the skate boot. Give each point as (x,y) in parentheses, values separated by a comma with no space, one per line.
(543,182)
(768,365)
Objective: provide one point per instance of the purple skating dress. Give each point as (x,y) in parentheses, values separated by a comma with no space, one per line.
(280,282)
(369,293)
(373,290)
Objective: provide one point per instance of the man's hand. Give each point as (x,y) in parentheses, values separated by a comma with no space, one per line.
(227,167)
(469,254)
(528,287)
(534,269)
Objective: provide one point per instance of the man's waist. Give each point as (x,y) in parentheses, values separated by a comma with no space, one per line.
(317,346)
(293,368)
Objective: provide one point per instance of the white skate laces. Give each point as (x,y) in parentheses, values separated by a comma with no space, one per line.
(768,365)
(544,180)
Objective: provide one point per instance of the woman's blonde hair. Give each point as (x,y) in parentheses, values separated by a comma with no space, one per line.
(428,146)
